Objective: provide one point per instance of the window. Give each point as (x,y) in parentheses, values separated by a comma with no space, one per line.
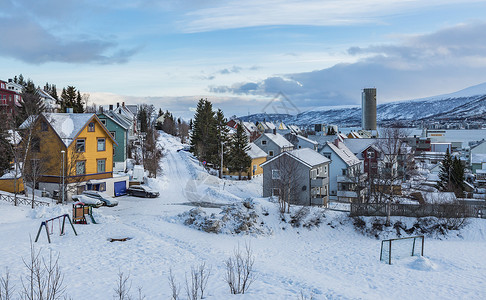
(80,145)
(344,172)
(101,165)
(370,154)
(103,121)
(275,174)
(80,167)
(275,192)
(264,142)
(101,144)
(270,153)
(43,126)
(35,146)
(113,134)
(91,127)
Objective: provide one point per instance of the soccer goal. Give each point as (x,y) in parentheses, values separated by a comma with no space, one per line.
(401,247)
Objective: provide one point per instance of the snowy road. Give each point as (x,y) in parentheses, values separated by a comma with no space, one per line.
(329,262)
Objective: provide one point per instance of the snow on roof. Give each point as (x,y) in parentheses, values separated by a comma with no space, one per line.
(278,139)
(358,145)
(322,139)
(28,122)
(45,94)
(283,126)
(344,153)
(67,126)
(477,158)
(306,139)
(309,156)
(117,119)
(255,152)
(250,126)
(270,125)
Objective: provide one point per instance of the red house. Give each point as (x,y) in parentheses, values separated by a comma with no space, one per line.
(8,98)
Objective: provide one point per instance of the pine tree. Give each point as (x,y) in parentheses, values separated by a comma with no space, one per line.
(444,173)
(68,98)
(221,139)
(457,177)
(79,105)
(204,143)
(238,160)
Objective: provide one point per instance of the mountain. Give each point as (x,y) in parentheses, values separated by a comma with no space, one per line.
(469,103)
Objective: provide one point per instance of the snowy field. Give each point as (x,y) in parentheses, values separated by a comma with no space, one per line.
(331,261)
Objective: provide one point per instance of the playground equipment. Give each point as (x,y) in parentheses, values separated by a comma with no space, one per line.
(401,247)
(79,211)
(51,222)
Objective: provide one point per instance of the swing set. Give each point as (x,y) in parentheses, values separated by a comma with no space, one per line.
(51,222)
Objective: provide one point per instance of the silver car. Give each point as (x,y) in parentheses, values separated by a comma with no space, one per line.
(107,200)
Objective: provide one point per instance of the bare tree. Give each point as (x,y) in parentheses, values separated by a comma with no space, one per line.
(196,286)
(123,287)
(240,273)
(174,287)
(286,181)
(44,280)
(35,168)
(6,290)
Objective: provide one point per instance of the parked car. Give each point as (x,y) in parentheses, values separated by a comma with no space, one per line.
(107,200)
(186,148)
(142,191)
(88,200)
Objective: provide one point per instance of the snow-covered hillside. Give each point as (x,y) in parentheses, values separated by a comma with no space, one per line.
(467,103)
(331,261)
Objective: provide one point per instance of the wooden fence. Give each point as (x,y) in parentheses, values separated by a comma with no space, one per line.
(419,210)
(22,200)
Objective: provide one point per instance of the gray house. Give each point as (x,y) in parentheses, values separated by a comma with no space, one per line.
(273,144)
(300,141)
(298,176)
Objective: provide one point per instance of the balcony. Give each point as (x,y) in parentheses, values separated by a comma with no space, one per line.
(347,194)
(318,182)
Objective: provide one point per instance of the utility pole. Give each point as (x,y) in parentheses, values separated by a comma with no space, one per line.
(63,189)
(221,166)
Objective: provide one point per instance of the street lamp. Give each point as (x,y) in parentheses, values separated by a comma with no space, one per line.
(63,152)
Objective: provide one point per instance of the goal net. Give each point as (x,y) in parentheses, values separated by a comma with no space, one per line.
(401,247)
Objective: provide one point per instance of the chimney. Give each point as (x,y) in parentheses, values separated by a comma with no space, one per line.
(111,106)
(336,142)
(10,80)
(275,131)
(101,109)
(123,103)
(118,104)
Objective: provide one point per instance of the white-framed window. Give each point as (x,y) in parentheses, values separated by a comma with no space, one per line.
(91,127)
(101,165)
(275,192)
(275,174)
(264,142)
(113,134)
(101,144)
(80,167)
(103,121)
(270,153)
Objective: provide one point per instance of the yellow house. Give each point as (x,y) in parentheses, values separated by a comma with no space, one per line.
(76,148)
(258,157)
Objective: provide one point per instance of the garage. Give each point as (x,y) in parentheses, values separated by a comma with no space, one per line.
(120,188)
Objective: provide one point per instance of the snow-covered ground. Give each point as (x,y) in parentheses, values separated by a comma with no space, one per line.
(331,261)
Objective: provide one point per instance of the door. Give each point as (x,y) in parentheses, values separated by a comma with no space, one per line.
(120,188)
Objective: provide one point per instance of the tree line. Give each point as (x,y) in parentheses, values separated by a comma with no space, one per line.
(212,144)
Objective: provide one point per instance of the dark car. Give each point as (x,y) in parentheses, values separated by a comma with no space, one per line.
(142,191)
(107,200)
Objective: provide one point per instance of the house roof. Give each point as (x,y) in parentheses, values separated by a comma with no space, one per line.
(300,137)
(306,156)
(344,153)
(270,125)
(250,126)
(68,126)
(278,139)
(115,118)
(359,145)
(282,124)
(478,158)
(255,152)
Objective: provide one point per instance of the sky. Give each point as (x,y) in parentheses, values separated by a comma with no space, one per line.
(245,56)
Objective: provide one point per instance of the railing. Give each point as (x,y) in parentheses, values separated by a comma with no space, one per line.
(22,200)
(318,182)
(461,210)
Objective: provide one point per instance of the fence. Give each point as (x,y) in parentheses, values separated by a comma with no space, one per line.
(461,210)
(22,200)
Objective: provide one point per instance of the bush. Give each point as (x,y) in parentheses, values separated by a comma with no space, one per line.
(239,270)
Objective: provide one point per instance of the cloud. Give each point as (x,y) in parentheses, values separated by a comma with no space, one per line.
(240,14)
(234,69)
(31,43)
(418,66)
